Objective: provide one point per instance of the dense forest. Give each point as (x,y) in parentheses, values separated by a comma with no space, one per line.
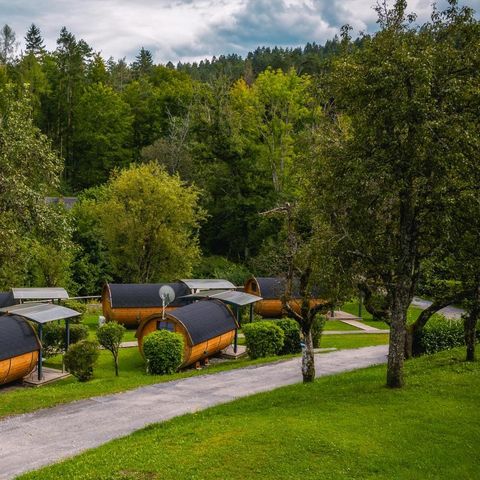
(350,166)
(231,126)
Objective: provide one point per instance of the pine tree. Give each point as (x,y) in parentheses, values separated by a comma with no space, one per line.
(143,63)
(34,41)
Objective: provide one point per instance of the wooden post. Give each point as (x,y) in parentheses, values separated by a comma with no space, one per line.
(40,354)
(251,312)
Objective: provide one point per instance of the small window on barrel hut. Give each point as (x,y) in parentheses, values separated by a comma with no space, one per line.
(163,325)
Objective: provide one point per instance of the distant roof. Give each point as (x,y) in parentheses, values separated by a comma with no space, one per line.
(205,320)
(16,337)
(67,202)
(41,312)
(207,283)
(6,299)
(47,293)
(146,295)
(274,288)
(232,297)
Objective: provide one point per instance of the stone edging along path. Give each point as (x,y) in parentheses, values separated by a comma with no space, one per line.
(32,440)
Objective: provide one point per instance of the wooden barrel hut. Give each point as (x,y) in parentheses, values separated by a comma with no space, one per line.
(207,326)
(19,348)
(129,304)
(271,290)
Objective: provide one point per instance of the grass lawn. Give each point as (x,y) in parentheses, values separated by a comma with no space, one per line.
(352,308)
(132,375)
(337,325)
(91,321)
(353,341)
(346,426)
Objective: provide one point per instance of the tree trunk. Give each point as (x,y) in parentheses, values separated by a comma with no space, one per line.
(308,358)
(116,365)
(398,329)
(470,327)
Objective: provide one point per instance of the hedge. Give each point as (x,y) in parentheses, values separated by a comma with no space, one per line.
(53,337)
(291,341)
(439,334)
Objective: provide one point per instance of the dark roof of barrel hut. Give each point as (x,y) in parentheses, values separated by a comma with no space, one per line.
(6,299)
(205,319)
(146,295)
(274,287)
(16,337)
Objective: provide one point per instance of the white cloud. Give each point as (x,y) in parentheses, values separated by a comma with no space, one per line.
(191,29)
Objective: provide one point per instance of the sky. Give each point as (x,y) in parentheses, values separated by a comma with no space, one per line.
(191,30)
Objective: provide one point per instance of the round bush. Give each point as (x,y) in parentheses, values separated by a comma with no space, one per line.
(163,352)
(291,332)
(80,359)
(263,339)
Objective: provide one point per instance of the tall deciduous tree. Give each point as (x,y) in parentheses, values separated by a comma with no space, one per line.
(149,222)
(30,169)
(103,136)
(8,44)
(400,140)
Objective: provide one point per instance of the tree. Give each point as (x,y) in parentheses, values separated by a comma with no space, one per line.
(8,44)
(143,63)
(393,150)
(34,43)
(110,336)
(103,135)
(148,222)
(270,114)
(312,269)
(30,171)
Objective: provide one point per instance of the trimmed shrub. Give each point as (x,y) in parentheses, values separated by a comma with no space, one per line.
(439,333)
(317,329)
(110,337)
(80,359)
(291,341)
(53,338)
(263,339)
(163,352)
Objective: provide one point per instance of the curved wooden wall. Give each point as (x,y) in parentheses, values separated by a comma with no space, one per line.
(130,317)
(17,367)
(272,308)
(193,353)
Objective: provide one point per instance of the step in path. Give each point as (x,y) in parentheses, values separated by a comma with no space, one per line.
(30,441)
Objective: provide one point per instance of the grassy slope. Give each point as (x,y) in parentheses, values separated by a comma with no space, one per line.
(346,426)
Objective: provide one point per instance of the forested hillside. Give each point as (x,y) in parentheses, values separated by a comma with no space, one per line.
(231,126)
(350,166)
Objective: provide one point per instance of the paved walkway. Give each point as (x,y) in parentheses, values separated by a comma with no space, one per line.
(32,440)
(448,312)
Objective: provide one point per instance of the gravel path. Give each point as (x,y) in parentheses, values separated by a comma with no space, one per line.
(30,441)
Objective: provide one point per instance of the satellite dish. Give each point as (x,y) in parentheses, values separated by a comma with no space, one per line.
(167,294)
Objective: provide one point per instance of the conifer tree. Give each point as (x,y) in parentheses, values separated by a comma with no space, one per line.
(34,41)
